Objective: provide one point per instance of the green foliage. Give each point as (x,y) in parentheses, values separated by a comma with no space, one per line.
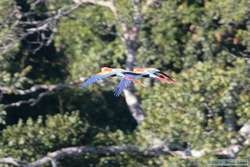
(195,111)
(34,138)
(17,80)
(111,113)
(93,47)
(177,35)
(201,42)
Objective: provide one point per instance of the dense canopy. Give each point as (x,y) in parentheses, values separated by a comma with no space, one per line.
(48,47)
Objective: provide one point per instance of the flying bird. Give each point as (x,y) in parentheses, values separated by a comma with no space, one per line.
(127,77)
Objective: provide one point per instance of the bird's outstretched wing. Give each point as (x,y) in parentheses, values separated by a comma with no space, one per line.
(126,82)
(96,78)
(123,84)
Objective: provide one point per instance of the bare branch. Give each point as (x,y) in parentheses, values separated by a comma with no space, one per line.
(47,25)
(31,102)
(43,90)
(35,88)
(12,161)
(15,35)
(76,151)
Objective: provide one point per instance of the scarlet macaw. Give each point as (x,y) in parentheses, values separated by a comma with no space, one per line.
(127,77)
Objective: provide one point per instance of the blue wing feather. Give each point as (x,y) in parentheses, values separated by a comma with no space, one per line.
(94,79)
(124,83)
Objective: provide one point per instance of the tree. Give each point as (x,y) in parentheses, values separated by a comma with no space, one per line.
(48,46)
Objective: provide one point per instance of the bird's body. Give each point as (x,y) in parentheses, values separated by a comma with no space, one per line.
(154,73)
(127,77)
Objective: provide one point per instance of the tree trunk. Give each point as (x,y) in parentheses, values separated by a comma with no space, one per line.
(130,40)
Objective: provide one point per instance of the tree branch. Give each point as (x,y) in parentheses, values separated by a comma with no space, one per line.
(130,41)
(42,90)
(49,24)
(230,152)
(11,161)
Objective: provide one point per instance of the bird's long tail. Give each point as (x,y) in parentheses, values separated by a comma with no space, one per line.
(164,78)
